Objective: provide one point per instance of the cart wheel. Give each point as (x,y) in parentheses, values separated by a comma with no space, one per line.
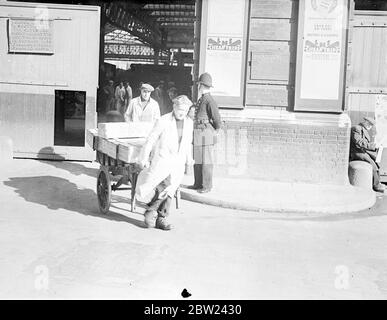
(104,190)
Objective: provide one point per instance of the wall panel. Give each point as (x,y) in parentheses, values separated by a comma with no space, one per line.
(28,81)
(271,53)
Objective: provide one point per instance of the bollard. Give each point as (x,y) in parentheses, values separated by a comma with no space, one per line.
(360,174)
(6,149)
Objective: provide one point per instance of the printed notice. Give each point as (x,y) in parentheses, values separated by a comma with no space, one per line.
(224,38)
(27,36)
(322,49)
(224,58)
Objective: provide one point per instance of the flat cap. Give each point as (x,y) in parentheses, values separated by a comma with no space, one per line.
(182,102)
(370,120)
(146,86)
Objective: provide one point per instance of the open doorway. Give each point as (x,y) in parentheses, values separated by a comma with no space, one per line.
(155,42)
(70,111)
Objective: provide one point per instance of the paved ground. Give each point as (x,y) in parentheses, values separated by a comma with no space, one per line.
(55,244)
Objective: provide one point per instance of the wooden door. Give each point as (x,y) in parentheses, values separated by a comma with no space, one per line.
(271,53)
(367,72)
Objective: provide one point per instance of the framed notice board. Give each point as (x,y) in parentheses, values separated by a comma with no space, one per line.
(30,36)
(321,51)
(223,49)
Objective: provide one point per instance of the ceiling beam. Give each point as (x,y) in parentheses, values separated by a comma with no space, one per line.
(126,57)
(163,10)
(177,19)
(172,13)
(124,19)
(177,25)
(169,6)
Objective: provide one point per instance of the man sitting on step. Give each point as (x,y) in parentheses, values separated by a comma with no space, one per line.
(363,149)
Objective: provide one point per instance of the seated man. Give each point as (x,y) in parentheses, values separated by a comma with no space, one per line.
(363,149)
(143,108)
(170,143)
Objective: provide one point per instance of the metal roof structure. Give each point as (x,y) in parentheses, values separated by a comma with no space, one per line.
(161,24)
(149,27)
(120,36)
(121,45)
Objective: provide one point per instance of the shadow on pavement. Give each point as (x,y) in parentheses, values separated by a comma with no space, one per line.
(73,167)
(58,193)
(47,155)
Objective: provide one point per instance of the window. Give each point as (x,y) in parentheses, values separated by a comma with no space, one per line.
(371,5)
(70,109)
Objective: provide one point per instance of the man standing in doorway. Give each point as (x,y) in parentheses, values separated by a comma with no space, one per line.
(128,96)
(109,96)
(159,95)
(172,94)
(143,108)
(207,123)
(120,97)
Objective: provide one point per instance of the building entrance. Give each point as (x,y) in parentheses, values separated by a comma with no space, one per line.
(150,42)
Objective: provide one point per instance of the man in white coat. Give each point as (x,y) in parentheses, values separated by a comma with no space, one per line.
(170,144)
(143,107)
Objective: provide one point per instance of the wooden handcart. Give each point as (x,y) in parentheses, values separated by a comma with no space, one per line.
(118,158)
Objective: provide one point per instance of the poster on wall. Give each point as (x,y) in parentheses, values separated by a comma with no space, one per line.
(224,58)
(320,55)
(224,46)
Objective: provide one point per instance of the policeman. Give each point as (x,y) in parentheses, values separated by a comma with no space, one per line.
(207,123)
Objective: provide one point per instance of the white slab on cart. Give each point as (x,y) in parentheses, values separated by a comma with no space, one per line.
(90,136)
(124,129)
(129,149)
(107,146)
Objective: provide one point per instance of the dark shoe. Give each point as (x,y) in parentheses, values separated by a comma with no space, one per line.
(379,188)
(193,187)
(150,217)
(204,190)
(161,223)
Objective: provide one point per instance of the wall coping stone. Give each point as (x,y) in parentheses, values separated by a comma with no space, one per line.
(341,120)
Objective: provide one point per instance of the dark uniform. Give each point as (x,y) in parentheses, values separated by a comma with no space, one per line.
(361,149)
(207,120)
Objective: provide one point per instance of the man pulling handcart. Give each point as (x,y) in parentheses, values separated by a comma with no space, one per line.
(164,155)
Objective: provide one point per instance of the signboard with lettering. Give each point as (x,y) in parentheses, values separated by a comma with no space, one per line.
(30,36)
(322,40)
(223,48)
(224,57)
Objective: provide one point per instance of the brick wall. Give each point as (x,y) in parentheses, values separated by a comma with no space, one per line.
(297,150)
